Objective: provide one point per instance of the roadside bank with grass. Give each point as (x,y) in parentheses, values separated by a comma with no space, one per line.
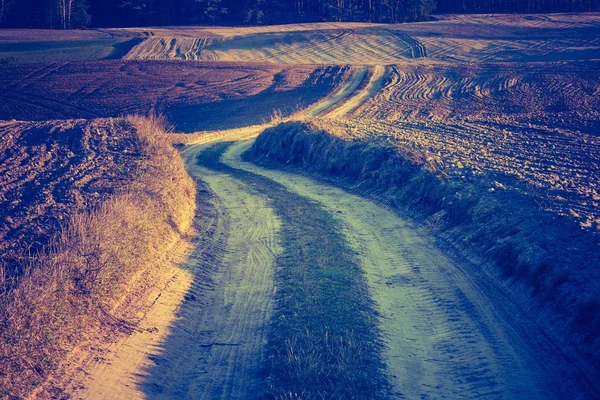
(93,280)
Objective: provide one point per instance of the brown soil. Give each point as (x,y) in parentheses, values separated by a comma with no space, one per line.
(531,127)
(50,170)
(476,38)
(126,203)
(195,96)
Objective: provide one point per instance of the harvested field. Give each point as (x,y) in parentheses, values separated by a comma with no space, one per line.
(477,38)
(19,46)
(480,38)
(452,38)
(554,95)
(531,127)
(165,31)
(193,96)
(558,168)
(61,51)
(340,46)
(487,38)
(51,170)
(40,35)
(170,48)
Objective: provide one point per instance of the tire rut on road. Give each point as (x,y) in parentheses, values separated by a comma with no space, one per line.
(215,349)
(204,336)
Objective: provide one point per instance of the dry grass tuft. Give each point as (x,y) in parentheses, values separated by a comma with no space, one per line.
(81,286)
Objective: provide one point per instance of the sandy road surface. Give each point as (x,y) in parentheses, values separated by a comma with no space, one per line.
(446,338)
(215,350)
(447,335)
(204,334)
(209,325)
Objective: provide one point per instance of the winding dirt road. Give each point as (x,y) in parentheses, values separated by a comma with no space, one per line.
(448,332)
(215,349)
(204,336)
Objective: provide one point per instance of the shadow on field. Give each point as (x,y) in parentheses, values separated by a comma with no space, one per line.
(120,49)
(235,113)
(252,110)
(66,50)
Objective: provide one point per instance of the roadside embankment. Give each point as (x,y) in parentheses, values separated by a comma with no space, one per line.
(95,277)
(547,265)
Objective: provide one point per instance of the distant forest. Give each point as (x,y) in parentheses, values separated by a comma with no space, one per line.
(69,14)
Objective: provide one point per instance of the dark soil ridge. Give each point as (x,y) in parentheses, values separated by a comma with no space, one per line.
(548,264)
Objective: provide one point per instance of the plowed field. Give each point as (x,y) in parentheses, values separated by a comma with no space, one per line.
(53,169)
(195,96)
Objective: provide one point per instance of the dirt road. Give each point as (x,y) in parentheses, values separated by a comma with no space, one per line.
(447,335)
(215,350)
(448,332)
(362,85)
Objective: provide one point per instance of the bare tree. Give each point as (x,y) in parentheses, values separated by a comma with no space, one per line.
(65,9)
(4,7)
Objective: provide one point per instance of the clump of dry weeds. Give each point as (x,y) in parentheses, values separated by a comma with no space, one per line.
(82,285)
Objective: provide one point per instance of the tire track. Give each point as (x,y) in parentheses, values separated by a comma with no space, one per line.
(170,48)
(219,342)
(374,82)
(345,93)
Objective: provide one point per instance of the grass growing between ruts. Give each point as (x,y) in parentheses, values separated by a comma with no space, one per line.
(324,340)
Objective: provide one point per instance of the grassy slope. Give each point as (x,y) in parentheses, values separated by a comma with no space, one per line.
(65,50)
(323,338)
(548,260)
(82,287)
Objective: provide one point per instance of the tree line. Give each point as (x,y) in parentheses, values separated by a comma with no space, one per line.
(516,6)
(68,14)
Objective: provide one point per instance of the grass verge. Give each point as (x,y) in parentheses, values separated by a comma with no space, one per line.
(92,279)
(323,339)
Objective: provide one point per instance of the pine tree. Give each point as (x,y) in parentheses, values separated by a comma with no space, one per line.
(80,18)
